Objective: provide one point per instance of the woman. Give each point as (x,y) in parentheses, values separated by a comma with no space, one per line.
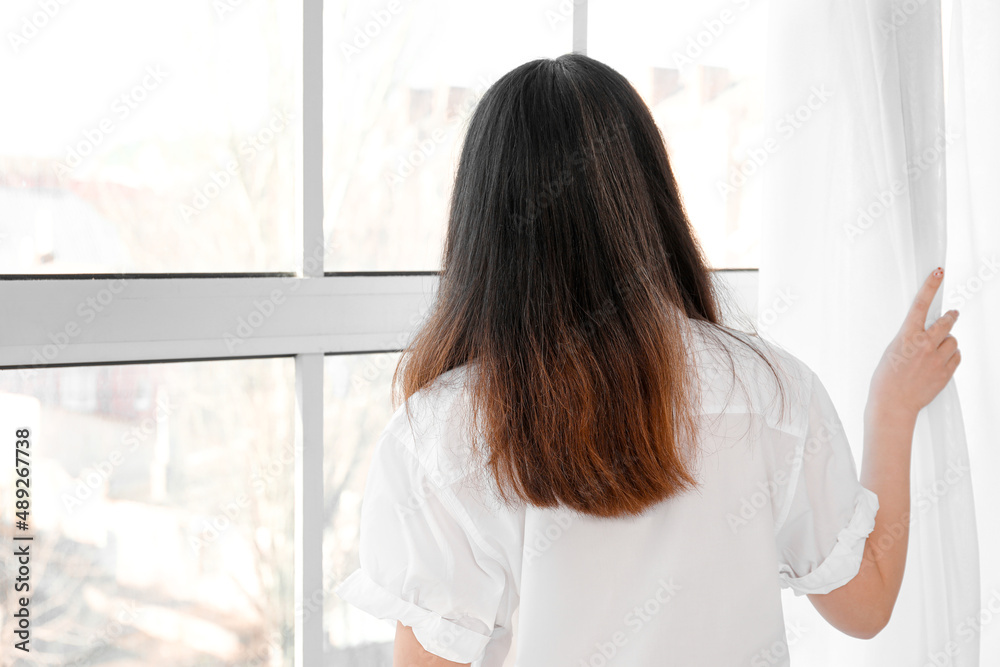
(584,442)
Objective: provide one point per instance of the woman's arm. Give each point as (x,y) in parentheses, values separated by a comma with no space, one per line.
(914,369)
(407,652)
(863,606)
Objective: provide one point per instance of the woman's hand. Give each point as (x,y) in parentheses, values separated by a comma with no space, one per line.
(918,363)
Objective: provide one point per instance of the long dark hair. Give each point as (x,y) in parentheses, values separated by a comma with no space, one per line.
(569,276)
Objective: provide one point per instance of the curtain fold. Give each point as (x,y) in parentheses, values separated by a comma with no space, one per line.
(856,203)
(973,173)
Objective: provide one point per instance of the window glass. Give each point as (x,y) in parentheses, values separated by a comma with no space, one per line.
(149,137)
(699,66)
(401,79)
(161,510)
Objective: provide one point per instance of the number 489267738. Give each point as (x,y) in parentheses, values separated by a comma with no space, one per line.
(23,482)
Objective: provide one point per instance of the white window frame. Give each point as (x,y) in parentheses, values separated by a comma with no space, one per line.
(178,317)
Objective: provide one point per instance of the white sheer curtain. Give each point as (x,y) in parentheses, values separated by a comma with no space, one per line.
(858,207)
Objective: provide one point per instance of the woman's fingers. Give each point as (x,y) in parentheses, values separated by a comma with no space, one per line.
(942,327)
(955,360)
(917,315)
(948,346)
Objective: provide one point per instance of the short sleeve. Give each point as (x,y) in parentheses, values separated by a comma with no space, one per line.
(421,559)
(825,515)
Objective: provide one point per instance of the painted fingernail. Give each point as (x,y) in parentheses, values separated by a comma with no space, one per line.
(938,272)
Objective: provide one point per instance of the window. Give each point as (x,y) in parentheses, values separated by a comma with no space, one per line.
(255,240)
(700,68)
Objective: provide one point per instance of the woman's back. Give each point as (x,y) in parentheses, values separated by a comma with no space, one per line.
(694,580)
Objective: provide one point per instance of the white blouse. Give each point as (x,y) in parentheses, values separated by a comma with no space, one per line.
(695,581)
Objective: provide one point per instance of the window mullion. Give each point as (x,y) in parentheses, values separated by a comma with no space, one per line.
(309,505)
(580,26)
